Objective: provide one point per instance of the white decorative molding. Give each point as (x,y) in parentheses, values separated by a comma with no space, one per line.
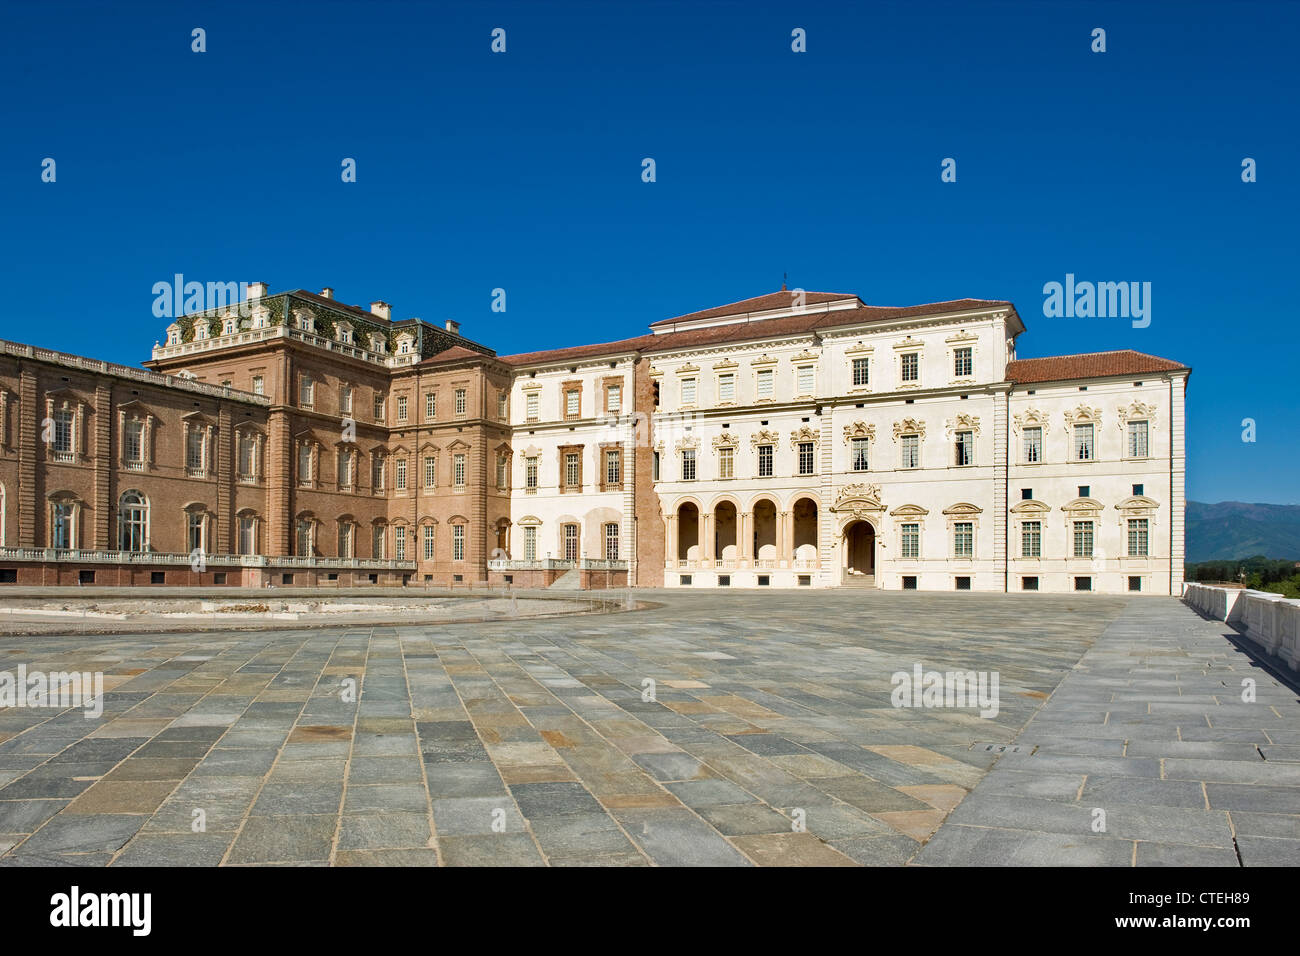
(803,434)
(963,422)
(909,426)
(859,430)
(725,440)
(1031,418)
(1083,415)
(764,437)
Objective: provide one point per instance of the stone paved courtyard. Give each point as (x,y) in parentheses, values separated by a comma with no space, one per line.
(529,742)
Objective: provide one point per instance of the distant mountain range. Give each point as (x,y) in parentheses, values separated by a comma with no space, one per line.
(1234,529)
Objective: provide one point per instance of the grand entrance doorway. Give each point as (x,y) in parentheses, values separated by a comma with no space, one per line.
(859,554)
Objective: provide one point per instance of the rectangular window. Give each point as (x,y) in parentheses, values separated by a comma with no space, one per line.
(377,542)
(530,544)
(1083,448)
(259,385)
(458,471)
(133,436)
(400,475)
(379,408)
(345,399)
(859,454)
(963,539)
(530,406)
(613,466)
(726,462)
(427,532)
(460,403)
(805,379)
(688,391)
(1137,439)
(611,542)
(688,464)
(247,456)
(654,467)
(1083,539)
(399,543)
(430,471)
(430,406)
(458,542)
(965,449)
(63,422)
(911,540)
(1032,439)
(61,530)
(194,448)
(1029,584)
(502,405)
(806,458)
(306,391)
(962,584)
(1137,537)
(247,535)
(1083,584)
(861,372)
(1031,539)
(764,379)
(765,461)
(911,446)
(345,540)
(304,539)
(727,388)
(570,542)
(401,408)
(962,364)
(572,470)
(572,403)
(377,473)
(304,464)
(530,474)
(1135,582)
(614,398)
(345,468)
(194,532)
(503,469)
(911,367)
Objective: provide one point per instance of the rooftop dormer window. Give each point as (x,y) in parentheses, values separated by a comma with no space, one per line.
(173,335)
(230,327)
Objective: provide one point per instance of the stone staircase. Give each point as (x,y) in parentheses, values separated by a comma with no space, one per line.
(570,580)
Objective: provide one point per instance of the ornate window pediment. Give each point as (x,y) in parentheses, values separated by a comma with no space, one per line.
(686,443)
(963,422)
(764,437)
(1083,415)
(763,361)
(909,511)
(1030,507)
(726,364)
(805,356)
(859,349)
(688,369)
(1137,411)
(1083,507)
(458,444)
(532,451)
(725,440)
(1030,418)
(1138,505)
(859,430)
(909,426)
(803,434)
(530,521)
(961,337)
(963,509)
(909,344)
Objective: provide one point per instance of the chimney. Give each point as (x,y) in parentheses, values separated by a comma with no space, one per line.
(453,327)
(256,290)
(382,309)
(327,293)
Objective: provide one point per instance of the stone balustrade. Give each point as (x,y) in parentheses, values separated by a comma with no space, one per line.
(1270,620)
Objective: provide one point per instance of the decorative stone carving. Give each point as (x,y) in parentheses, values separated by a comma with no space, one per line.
(803,434)
(764,437)
(1031,418)
(725,440)
(859,430)
(963,422)
(909,426)
(1083,415)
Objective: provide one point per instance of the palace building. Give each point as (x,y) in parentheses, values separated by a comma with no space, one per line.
(795,439)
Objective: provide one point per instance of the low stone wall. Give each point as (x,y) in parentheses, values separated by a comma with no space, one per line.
(1270,620)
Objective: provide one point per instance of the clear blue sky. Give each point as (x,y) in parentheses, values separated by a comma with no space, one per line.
(523,171)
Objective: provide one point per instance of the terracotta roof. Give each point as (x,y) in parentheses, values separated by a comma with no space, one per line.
(759,303)
(1058,368)
(761,328)
(454,354)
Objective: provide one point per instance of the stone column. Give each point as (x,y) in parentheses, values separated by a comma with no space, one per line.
(744,538)
(784,540)
(706,539)
(670,539)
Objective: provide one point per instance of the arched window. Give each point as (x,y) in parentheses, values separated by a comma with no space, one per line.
(133,522)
